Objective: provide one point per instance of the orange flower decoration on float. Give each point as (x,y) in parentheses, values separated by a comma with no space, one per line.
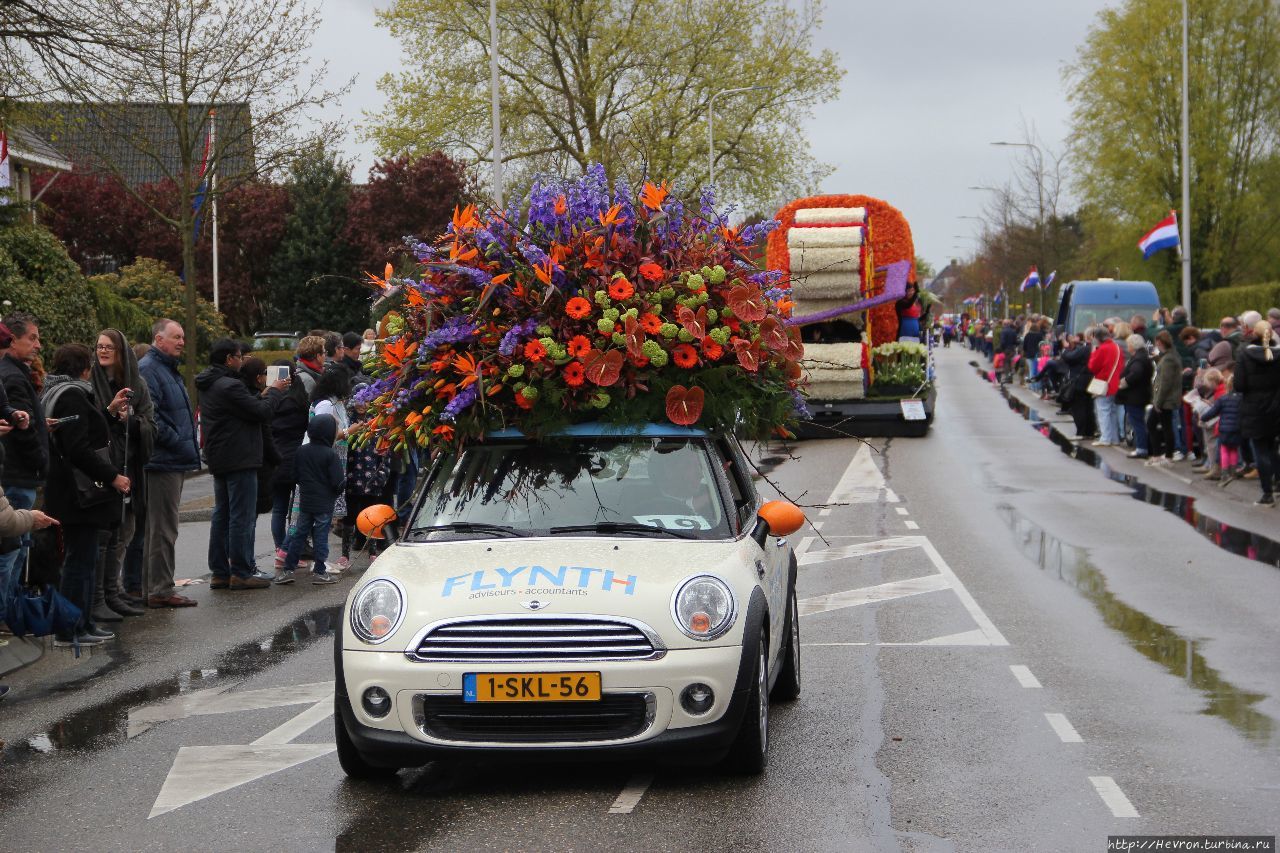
(535,351)
(651,271)
(711,349)
(684,405)
(651,323)
(652,197)
(574,374)
(620,288)
(747,303)
(578,346)
(684,355)
(577,308)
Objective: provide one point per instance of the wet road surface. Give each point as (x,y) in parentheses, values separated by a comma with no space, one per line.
(1002,650)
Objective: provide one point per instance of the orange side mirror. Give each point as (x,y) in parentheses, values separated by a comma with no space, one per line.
(372,519)
(783,517)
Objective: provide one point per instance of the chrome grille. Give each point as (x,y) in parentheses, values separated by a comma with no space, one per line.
(533,638)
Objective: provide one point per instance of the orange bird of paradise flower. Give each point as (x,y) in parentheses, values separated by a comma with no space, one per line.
(652,197)
(465,365)
(611,217)
(465,218)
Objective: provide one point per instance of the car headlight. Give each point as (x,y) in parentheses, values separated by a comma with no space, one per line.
(377,610)
(704,607)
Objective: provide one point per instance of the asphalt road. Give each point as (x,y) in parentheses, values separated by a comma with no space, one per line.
(1003,650)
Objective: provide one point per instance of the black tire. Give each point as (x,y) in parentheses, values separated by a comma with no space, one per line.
(787,687)
(750,751)
(353,763)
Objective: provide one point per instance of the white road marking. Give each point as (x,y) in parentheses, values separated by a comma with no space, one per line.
(1113,796)
(964,638)
(901,510)
(861,482)
(1024,676)
(911,525)
(988,627)
(1062,726)
(816,525)
(322,710)
(825,512)
(631,794)
(213,701)
(890,496)
(805,557)
(202,771)
(872,594)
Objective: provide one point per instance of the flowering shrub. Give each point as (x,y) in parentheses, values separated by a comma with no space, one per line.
(899,363)
(598,308)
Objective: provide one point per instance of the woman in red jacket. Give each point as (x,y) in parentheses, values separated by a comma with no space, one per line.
(1107,364)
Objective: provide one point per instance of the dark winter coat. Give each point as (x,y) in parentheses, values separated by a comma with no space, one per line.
(318,471)
(1008,340)
(76,444)
(1227,410)
(289,413)
(1138,374)
(1168,387)
(1031,344)
(141,423)
(1257,378)
(26,450)
(231,420)
(270,462)
(1077,361)
(176,448)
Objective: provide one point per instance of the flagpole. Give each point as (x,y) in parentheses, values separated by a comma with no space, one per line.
(213,189)
(1186,174)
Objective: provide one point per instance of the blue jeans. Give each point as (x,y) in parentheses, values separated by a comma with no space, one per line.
(235,498)
(1108,418)
(316,526)
(1138,422)
(12,564)
(280,498)
(79,568)
(1180,438)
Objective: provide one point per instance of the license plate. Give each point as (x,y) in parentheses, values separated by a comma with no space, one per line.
(531,687)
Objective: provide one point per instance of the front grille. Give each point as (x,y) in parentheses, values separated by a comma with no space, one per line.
(524,638)
(615,717)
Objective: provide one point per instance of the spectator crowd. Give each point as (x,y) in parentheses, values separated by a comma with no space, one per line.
(1210,397)
(95,451)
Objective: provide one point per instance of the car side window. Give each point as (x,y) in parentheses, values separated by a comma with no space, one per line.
(739,487)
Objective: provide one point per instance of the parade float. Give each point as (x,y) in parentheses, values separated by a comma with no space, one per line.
(585,306)
(845,260)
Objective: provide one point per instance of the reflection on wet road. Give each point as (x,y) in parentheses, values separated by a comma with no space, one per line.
(1156,642)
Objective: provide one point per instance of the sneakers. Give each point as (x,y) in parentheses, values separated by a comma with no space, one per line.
(1227,477)
(1138,454)
(282,556)
(1158,461)
(323,577)
(1213,475)
(251,582)
(1101,443)
(79,640)
(1177,456)
(283,577)
(1265,500)
(343,564)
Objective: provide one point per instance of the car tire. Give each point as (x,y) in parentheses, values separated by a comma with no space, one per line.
(353,763)
(787,687)
(750,749)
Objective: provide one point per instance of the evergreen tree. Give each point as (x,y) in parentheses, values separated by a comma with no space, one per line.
(313,282)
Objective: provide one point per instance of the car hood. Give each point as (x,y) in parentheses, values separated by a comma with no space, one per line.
(630,577)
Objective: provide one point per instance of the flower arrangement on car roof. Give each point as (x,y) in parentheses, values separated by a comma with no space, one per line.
(598,308)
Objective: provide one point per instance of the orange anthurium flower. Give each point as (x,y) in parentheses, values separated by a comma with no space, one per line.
(652,196)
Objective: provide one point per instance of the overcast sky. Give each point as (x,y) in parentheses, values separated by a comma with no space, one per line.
(929,85)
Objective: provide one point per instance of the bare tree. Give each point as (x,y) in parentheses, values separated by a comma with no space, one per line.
(182,58)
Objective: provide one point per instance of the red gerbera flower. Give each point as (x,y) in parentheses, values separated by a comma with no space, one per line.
(578,346)
(577,308)
(620,288)
(684,355)
(711,349)
(651,271)
(535,351)
(651,323)
(574,373)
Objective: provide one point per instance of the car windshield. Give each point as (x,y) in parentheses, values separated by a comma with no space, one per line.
(1092,315)
(662,487)
(274,343)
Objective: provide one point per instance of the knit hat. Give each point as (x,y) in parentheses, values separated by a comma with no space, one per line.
(1220,355)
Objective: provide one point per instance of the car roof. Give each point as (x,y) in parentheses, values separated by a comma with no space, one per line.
(1121,291)
(596,429)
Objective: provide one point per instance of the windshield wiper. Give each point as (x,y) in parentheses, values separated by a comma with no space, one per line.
(470,527)
(619,527)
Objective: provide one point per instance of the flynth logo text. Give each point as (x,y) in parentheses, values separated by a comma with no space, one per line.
(580,577)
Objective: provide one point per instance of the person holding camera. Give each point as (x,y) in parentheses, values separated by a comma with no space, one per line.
(115,369)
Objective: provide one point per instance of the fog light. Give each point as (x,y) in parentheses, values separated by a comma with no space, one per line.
(697,698)
(376,702)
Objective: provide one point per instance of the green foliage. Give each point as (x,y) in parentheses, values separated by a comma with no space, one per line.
(1234,301)
(116,311)
(1125,93)
(37,276)
(313,281)
(626,83)
(156,291)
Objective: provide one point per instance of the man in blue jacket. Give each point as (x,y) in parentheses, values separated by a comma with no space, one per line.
(177,452)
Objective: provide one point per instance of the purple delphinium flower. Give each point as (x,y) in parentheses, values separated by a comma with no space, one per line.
(461,400)
(754,233)
(799,406)
(513,337)
(453,330)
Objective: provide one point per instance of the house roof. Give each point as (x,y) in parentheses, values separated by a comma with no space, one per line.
(27,146)
(140,141)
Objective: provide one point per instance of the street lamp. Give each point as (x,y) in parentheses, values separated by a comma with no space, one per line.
(711,151)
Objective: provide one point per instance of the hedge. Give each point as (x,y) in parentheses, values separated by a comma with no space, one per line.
(38,276)
(1213,305)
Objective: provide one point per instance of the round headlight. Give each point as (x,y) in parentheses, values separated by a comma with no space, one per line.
(704,607)
(377,610)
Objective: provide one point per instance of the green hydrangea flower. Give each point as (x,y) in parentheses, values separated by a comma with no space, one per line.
(544,332)
(696,282)
(652,349)
(602,299)
(620,339)
(712,315)
(605,326)
(717,274)
(633,313)
(610,314)
(667,292)
(529,393)
(685,336)
(726,311)
(557,352)
(720,335)
(547,342)
(515,371)
(669,330)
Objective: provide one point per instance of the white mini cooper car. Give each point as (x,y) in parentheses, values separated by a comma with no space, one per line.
(597,592)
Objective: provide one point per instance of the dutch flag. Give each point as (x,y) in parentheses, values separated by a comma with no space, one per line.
(1032,280)
(1163,236)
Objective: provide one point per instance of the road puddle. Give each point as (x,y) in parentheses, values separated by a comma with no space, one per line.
(1153,640)
(1243,543)
(105,724)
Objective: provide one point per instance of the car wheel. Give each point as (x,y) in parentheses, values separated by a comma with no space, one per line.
(749,752)
(353,763)
(787,687)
